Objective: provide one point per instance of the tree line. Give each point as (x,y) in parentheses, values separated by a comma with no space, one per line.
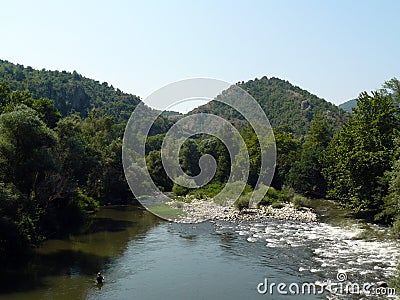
(58,166)
(356,164)
(54,171)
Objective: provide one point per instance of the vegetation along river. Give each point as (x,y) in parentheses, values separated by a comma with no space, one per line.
(143,257)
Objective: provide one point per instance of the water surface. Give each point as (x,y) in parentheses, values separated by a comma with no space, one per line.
(143,257)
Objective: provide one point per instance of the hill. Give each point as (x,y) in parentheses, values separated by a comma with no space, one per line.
(71,92)
(285,105)
(349,105)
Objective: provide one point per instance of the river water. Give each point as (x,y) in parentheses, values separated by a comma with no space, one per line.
(143,257)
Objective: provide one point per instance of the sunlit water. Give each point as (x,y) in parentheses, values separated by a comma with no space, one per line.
(143,257)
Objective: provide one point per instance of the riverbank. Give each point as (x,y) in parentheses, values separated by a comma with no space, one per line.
(199,210)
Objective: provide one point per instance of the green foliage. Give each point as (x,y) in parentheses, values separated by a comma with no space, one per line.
(300,201)
(157,172)
(46,164)
(273,196)
(305,175)
(242,202)
(90,153)
(44,107)
(349,105)
(288,152)
(207,191)
(189,156)
(253,148)
(47,111)
(358,156)
(154,143)
(284,105)
(391,203)
(54,171)
(278,205)
(71,91)
(179,190)
(84,202)
(16,230)
(28,152)
(218,150)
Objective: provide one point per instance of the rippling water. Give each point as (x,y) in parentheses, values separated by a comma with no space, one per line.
(145,258)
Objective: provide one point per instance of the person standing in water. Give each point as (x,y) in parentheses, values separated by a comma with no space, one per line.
(100,278)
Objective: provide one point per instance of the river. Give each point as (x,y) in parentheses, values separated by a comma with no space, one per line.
(143,257)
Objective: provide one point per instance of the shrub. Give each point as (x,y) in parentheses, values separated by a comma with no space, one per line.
(86,203)
(272,196)
(179,190)
(300,201)
(207,191)
(278,205)
(396,230)
(242,202)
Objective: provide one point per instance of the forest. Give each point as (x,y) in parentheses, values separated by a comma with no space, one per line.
(61,140)
(355,163)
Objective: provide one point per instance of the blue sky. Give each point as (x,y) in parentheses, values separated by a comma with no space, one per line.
(334,49)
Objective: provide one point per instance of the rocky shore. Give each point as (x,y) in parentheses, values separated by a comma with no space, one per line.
(206,210)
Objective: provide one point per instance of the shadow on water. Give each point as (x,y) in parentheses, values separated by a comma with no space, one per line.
(63,262)
(330,212)
(105,238)
(107,224)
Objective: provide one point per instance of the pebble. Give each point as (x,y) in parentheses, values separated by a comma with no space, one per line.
(200,210)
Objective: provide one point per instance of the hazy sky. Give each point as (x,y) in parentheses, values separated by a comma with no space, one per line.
(334,49)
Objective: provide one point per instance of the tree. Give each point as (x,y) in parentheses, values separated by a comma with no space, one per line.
(157,172)
(154,142)
(214,147)
(47,111)
(253,148)
(391,206)
(17,231)
(287,152)
(29,173)
(305,176)
(189,157)
(31,143)
(45,107)
(358,156)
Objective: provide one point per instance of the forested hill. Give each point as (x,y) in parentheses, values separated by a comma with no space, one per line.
(286,105)
(349,105)
(71,92)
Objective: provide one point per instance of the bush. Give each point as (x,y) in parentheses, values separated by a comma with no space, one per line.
(278,205)
(207,191)
(300,201)
(179,190)
(273,196)
(242,202)
(86,203)
(396,230)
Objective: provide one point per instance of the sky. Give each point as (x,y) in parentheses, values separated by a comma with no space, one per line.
(334,49)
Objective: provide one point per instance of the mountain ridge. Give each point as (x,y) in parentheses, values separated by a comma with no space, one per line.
(70,91)
(285,105)
(349,105)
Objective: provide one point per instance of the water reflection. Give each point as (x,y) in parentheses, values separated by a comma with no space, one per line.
(143,257)
(72,263)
